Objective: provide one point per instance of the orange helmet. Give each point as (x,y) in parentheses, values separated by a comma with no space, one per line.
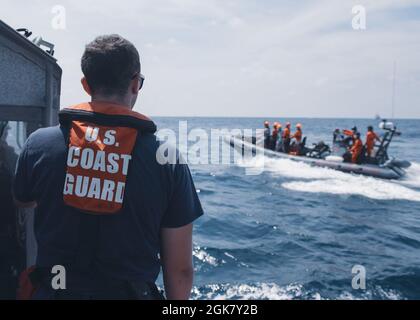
(299,126)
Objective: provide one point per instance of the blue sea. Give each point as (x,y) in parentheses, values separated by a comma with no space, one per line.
(296,231)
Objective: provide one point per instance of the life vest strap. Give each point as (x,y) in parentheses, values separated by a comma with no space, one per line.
(68,115)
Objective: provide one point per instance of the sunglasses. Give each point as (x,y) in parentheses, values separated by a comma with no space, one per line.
(141,79)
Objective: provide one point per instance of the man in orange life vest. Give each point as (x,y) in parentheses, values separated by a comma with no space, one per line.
(105,208)
(274,135)
(296,146)
(350,134)
(298,134)
(286,138)
(371,137)
(357,148)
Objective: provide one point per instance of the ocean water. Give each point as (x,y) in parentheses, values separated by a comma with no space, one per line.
(295,231)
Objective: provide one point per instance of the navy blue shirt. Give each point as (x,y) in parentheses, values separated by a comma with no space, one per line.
(124,246)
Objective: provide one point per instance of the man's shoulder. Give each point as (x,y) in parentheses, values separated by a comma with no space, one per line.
(44,137)
(45,132)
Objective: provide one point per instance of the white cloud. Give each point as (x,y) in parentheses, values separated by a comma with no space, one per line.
(247,57)
(236,22)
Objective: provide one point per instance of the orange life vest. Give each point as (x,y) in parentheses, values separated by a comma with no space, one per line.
(101,140)
(298,135)
(26,288)
(356,150)
(348,132)
(370,139)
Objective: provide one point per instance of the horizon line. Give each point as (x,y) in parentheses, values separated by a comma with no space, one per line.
(283,117)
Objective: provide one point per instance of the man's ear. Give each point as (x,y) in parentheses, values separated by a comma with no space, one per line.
(86,86)
(135,86)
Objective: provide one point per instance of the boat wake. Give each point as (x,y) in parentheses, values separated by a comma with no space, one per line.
(413,176)
(306,178)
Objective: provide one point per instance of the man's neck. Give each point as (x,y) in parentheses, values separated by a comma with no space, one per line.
(111,99)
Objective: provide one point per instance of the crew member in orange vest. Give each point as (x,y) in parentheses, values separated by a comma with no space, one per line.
(286,138)
(357,148)
(349,140)
(298,138)
(274,135)
(298,134)
(371,137)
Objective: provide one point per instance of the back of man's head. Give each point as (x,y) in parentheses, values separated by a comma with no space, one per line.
(109,64)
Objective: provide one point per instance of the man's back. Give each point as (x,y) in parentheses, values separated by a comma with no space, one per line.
(124,245)
(106,209)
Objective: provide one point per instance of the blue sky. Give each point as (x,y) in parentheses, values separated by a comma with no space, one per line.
(247,57)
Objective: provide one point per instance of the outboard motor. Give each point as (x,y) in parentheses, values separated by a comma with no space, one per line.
(320,150)
(382,157)
(29,99)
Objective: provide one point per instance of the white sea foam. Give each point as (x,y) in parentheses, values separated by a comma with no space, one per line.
(376,293)
(204,257)
(306,178)
(413,176)
(272,291)
(261,291)
(370,188)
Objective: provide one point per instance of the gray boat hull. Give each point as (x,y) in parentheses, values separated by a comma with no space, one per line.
(389,171)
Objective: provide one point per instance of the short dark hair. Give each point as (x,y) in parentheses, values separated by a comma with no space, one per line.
(109,63)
